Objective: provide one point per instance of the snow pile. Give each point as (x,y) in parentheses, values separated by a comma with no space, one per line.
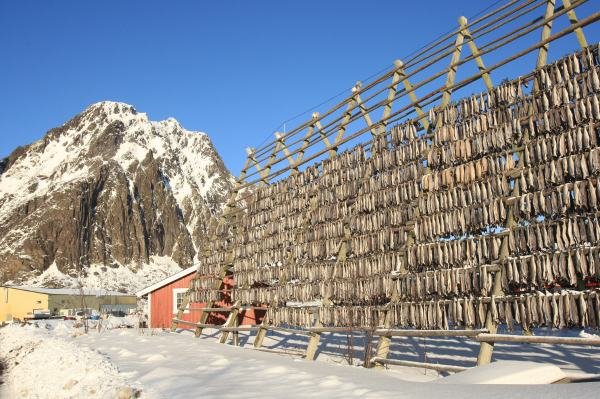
(40,365)
(119,322)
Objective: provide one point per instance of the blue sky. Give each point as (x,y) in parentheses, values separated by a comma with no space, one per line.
(234,69)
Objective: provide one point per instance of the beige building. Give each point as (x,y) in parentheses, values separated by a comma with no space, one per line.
(27,302)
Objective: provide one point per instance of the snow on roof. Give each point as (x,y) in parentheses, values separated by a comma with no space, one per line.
(68,291)
(168,280)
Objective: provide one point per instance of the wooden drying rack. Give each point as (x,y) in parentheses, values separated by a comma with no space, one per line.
(343,123)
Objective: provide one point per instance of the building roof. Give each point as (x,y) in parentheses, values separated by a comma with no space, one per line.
(68,291)
(168,280)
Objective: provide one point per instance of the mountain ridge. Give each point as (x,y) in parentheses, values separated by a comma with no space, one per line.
(108,189)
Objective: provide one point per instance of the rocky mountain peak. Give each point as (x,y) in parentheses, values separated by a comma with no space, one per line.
(109,188)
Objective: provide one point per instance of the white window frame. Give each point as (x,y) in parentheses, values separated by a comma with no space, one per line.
(175,292)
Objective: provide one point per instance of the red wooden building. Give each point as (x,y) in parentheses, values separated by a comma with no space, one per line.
(165,296)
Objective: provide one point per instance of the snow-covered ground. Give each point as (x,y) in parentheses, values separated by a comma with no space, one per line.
(56,360)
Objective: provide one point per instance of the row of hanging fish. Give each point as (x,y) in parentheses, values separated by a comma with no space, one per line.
(564,268)
(559,171)
(205,296)
(581,134)
(458,222)
(373,289)
(573,167)
(458,252)
(542,270)
(444,283)
(552,235)
(489,141)
(460,197)
(559,310)
(205,282)
(577,197)
(572,141)
(306,271)
(558,73)
(467,173)
(287,244)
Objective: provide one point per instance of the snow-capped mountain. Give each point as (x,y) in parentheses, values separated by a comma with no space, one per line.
(110,199)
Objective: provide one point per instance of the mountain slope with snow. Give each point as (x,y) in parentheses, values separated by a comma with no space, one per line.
(108,189)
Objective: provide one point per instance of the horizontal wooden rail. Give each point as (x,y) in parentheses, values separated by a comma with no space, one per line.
(428,333)
(281,351)
(191,323)
(288,330)
(339,329)
(210,309)
(408,363)
(240,328)
(536,339)
(226,309)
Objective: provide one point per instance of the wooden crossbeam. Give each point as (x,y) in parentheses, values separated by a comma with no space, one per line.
(304,146)
(547,30)
(537,339)
(264,176)
(573,19)
(393,89)
(408,363)
(242,175)
(411,95)
(453,67)
(363,109)
(240,328)
(332,148)
(272,159)
(428,333)
(475,52)
(344,122)
(184,303)
(262,333)
(281,139)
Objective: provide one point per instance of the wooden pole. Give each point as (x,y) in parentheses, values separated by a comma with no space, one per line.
(475,51)
(387,109)
(363,109)
(232,321)
(428,333)
(184,304)
(573,19)
(262,333)
(432,366)
(411,94)
(453,68)
(546,31)
(313,345)
(536,339)
(385,340)
(344,122)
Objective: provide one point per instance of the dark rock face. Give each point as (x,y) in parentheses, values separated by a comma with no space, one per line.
(107,188)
